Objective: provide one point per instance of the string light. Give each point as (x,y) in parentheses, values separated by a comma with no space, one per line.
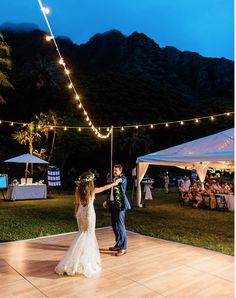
(65,128)
(48,38)
(46,11)
(67,71)
(212,118)
(122,128)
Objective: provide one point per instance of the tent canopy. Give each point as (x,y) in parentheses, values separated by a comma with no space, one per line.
(216,150)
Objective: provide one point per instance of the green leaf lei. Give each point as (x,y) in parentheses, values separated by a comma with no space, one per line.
(118,193)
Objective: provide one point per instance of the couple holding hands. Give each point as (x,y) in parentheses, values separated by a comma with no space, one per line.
(83,255)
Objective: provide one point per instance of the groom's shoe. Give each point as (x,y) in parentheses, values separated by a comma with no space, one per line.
(114,248)
(121,252)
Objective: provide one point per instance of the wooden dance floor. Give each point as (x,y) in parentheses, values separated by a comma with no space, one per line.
(151,268)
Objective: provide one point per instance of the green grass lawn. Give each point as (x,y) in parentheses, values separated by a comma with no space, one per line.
(162,218)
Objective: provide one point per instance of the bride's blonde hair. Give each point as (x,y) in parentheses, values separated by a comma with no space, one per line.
(86,187)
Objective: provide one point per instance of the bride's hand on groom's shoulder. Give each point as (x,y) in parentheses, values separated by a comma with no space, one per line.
(117,181)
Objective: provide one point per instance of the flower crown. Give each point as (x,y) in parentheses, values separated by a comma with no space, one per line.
(89,177)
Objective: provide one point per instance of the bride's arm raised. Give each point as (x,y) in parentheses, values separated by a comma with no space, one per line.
(106,187)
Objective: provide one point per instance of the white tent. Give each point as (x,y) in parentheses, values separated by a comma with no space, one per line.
(216,151)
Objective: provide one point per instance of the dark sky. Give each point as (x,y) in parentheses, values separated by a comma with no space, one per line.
(203,26)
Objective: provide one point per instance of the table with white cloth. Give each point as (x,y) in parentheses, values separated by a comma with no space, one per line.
(26,192)
(229,198)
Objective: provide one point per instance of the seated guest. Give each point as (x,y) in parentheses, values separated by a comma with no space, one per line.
(196,195)
(207,190)
(231,191)
(225,188)
(216,187)
(187,196)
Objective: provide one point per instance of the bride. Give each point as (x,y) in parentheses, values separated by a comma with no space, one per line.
(83,255)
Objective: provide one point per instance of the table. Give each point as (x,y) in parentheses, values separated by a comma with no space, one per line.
(25,192)
(229,201)
(147,188)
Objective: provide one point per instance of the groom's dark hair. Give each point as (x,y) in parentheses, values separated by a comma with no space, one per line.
(119,166)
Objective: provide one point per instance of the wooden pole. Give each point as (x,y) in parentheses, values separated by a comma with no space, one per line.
(111,164)
(26,172)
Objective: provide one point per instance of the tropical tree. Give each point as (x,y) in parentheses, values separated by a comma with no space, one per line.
(5,65)
(43,71)
(135,141)
(46,124)
(28,136)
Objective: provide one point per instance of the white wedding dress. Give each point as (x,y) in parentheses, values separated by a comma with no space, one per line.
(83,256)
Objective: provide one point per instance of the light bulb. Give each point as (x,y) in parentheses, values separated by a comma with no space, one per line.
(46,10)
(166,124)
(48,38)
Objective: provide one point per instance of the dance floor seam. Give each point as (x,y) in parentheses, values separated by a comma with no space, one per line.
(151,268)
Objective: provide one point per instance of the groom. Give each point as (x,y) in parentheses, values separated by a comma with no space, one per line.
(118,203)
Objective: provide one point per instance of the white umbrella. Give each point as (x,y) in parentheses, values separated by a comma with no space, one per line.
(26,158)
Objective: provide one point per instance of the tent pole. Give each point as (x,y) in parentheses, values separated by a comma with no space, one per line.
(111,161)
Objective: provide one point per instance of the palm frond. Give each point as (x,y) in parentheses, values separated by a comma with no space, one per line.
(2,101)
(6,63)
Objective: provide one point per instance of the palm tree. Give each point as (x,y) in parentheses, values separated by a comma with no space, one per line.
(45,122)
(28,136)
(135,142)
(5,65)
(43,71)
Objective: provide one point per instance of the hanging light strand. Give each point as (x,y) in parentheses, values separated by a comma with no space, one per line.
(108,129)
(91,126)
(45,11)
